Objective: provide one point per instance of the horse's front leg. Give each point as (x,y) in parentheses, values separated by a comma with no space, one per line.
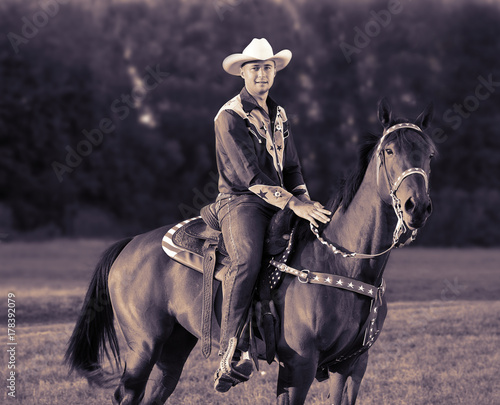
(296,374)
(346,380)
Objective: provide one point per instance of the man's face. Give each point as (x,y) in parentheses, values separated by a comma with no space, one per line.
(258,76)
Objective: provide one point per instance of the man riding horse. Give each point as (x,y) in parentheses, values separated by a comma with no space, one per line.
(259,174)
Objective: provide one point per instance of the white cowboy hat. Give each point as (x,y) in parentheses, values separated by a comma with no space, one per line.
(258,49)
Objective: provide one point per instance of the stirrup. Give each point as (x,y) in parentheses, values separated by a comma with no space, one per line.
(231,373)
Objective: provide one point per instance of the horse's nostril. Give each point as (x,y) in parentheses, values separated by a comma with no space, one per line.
(409,205)
(429,208)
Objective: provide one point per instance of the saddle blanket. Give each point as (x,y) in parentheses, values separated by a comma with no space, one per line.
(178,253)
(185,243)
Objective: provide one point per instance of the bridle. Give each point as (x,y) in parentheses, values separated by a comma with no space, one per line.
(306,276)
(396,202)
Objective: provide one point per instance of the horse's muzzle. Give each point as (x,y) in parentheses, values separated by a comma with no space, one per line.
(416,212)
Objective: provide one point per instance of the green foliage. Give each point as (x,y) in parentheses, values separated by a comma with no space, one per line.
(80,64)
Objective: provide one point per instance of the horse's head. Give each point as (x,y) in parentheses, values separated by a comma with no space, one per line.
(404,155)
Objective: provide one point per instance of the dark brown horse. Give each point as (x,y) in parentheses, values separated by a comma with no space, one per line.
(156,302)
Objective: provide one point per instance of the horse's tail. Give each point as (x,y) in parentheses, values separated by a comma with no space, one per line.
(87,345)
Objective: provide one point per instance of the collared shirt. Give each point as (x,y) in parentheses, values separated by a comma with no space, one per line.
(255,151)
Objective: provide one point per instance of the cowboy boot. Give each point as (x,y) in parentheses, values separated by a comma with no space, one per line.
(232,371)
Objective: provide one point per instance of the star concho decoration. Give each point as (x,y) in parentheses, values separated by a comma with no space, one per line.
(275,192)
(274,195)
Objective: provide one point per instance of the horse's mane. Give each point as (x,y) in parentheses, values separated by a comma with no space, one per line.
(349,185)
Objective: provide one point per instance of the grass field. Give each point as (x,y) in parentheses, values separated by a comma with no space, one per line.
(439,344)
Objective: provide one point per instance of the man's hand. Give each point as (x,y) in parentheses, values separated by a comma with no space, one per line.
(310,210)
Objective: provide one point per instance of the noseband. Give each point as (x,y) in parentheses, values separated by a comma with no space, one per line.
(396,202)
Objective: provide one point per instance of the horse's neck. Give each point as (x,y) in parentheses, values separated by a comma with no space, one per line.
(366,226)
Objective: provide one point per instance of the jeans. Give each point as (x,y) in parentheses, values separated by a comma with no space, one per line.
(243,220)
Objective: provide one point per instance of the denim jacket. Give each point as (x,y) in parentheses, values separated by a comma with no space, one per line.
(255,151)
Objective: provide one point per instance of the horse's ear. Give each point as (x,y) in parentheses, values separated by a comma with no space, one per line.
(425,118)
(384,112)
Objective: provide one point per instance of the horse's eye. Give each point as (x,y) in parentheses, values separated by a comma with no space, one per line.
(389,152)
(431,155)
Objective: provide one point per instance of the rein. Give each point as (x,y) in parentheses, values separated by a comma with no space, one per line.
(396,202)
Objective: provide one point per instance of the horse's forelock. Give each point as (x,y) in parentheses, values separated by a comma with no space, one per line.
(406,134)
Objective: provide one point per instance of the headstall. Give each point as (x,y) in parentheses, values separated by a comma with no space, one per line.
(400,229)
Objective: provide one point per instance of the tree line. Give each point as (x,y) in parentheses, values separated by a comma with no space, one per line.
(106,114)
